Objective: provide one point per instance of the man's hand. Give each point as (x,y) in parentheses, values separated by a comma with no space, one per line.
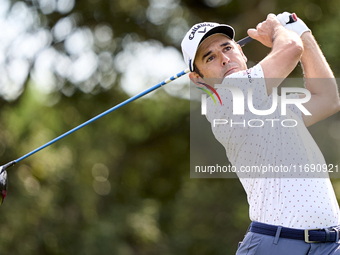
(286,50)
(266,30)
(298,26)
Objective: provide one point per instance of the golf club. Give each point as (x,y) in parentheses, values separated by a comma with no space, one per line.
(3,173)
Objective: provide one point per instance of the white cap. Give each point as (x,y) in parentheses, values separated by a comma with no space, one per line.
(197,34)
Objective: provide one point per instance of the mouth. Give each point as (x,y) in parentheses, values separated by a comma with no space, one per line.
(230,71)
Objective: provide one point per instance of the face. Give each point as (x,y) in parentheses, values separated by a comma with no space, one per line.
(217,57)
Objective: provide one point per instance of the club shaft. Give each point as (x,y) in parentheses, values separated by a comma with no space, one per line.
(245,40)
(242,42)
(104,113)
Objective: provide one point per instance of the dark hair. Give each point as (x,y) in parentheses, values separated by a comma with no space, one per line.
(196,70)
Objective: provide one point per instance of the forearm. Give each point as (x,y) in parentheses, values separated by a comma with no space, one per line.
(319,79)
(314,64)
(286,52)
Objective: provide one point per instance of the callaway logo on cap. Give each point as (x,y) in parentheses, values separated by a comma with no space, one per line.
(197,34)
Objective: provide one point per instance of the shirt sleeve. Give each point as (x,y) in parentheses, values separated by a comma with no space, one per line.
(238,85)
(293,107)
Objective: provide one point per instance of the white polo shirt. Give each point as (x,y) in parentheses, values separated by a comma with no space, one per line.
(291,199)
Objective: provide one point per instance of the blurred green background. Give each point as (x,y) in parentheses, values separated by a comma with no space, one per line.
(122,184)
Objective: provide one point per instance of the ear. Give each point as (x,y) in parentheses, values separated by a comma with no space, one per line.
(244,56)
(195,78)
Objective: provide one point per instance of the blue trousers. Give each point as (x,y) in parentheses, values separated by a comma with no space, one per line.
(258,244)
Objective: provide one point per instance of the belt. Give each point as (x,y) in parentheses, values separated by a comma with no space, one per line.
(315,235)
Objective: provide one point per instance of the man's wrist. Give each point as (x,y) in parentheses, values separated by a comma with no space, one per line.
(281,30)
(277,31)
(308,41)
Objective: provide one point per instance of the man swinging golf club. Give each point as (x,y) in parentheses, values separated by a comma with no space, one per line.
(289,215)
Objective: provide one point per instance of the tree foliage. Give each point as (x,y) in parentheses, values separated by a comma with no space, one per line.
(122,184)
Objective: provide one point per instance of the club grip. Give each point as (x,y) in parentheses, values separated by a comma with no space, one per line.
(245,40)
(292,18)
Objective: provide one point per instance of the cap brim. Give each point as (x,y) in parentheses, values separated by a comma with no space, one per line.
(222,29)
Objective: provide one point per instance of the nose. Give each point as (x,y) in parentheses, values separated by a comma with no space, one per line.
(225,59)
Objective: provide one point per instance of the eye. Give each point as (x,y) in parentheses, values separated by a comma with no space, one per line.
(227,48)
(211,58)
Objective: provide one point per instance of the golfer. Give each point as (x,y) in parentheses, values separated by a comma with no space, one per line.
(290,214)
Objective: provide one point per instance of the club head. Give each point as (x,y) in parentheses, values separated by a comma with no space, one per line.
(3,184)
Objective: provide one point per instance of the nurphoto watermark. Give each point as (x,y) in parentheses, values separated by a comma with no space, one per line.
(232,123)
